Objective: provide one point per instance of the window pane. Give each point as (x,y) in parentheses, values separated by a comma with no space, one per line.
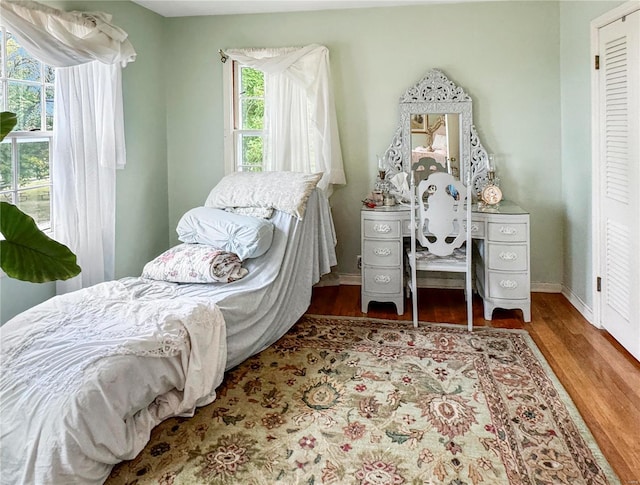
(25,101)
(49,107)
(36,203)
(251,152)
(20,65)
(49,74)
(251,82)
(6,171)
(33,160)
(252,114)
(6,197)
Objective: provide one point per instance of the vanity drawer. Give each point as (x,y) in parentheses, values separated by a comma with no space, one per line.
(381,228)
(406,227)
(507,232)
(477,229)
(382,252)
(382,280)
(507,257)
(508,285)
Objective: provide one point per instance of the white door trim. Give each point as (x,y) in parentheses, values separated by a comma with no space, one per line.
(596,24)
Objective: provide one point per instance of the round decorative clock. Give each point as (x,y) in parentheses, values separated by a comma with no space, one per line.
(491,194)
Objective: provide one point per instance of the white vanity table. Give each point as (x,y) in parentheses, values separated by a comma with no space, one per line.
(500,259)
(436,107)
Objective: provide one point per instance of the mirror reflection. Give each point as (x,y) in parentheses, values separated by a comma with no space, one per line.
(435,144)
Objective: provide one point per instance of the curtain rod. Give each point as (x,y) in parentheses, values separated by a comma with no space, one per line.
(223,56)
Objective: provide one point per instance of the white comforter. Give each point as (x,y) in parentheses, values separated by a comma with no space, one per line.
(81,374)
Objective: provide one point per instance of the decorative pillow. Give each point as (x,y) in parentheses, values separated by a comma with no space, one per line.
(195,263)
(262,212)
(246,236)
(285,191)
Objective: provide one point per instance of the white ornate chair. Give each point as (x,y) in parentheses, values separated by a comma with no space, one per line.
(441,241)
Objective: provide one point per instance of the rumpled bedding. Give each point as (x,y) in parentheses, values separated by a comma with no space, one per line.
(88,408)
(87,375)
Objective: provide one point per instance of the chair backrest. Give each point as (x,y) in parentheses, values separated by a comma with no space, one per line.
(444,206)
(425,167)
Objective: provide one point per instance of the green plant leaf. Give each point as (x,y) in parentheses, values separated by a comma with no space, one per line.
(28,254)
(7,121)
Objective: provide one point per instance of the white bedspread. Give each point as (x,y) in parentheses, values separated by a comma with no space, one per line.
(70,421)
(79,373)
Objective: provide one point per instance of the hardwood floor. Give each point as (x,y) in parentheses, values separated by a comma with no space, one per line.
(600,376)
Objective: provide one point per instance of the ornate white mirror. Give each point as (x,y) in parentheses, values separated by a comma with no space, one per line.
(436,133)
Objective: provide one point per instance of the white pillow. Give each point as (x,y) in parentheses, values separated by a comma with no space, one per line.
(195,263)
(246,236)
(439,142)
(285,191)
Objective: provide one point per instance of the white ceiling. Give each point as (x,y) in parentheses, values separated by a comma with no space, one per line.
(188,8)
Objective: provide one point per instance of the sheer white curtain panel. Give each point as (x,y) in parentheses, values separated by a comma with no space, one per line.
(88,142)
(300,117)
(63,39)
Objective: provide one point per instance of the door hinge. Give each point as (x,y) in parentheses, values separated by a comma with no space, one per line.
(597,63)
(599,283)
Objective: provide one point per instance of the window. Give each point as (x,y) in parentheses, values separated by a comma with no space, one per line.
(248,118)
(279,113)
(26,88)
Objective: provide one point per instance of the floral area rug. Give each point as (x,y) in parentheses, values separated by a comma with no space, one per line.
(362,401)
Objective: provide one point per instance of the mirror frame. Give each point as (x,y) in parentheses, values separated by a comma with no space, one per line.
(436,94)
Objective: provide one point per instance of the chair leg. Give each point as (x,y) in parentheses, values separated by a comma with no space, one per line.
(469,296)
(414,294)
(414,300)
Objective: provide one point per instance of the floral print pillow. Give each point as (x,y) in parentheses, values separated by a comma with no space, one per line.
(195,263)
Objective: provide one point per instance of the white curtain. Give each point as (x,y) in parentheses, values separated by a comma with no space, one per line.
(300,116)
(88,143)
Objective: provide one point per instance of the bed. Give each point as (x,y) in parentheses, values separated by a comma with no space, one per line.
(87,375)
(436,148)
(437,154)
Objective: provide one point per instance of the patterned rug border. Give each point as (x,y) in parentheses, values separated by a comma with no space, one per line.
(562,392)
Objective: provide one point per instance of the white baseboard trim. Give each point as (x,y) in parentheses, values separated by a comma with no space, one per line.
(579,305)
(355,279)
(351,279)
(538,287)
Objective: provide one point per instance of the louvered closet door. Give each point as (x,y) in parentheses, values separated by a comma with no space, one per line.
(619,48)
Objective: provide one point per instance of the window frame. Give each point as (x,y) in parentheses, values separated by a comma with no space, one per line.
(233,132)
(14,138)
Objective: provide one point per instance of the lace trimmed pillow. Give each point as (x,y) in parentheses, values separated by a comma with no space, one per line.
(260,212)
(284,191)
(195,263)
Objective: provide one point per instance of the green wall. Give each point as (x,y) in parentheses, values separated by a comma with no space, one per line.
(525,64)
(506,54)
(575,68)
(142,229)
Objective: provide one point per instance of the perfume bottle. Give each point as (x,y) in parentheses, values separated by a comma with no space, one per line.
(491,170)
(381,184)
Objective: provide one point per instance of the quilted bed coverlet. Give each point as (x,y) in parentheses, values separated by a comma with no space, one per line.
(87,375)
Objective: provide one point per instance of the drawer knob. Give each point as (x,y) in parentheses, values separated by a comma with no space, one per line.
(509,284)
(508,256)
(474,227)
(508,230)
(382,228)
(382,251)
(382,278)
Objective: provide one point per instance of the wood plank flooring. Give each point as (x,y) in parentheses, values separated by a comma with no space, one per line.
(601,377)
